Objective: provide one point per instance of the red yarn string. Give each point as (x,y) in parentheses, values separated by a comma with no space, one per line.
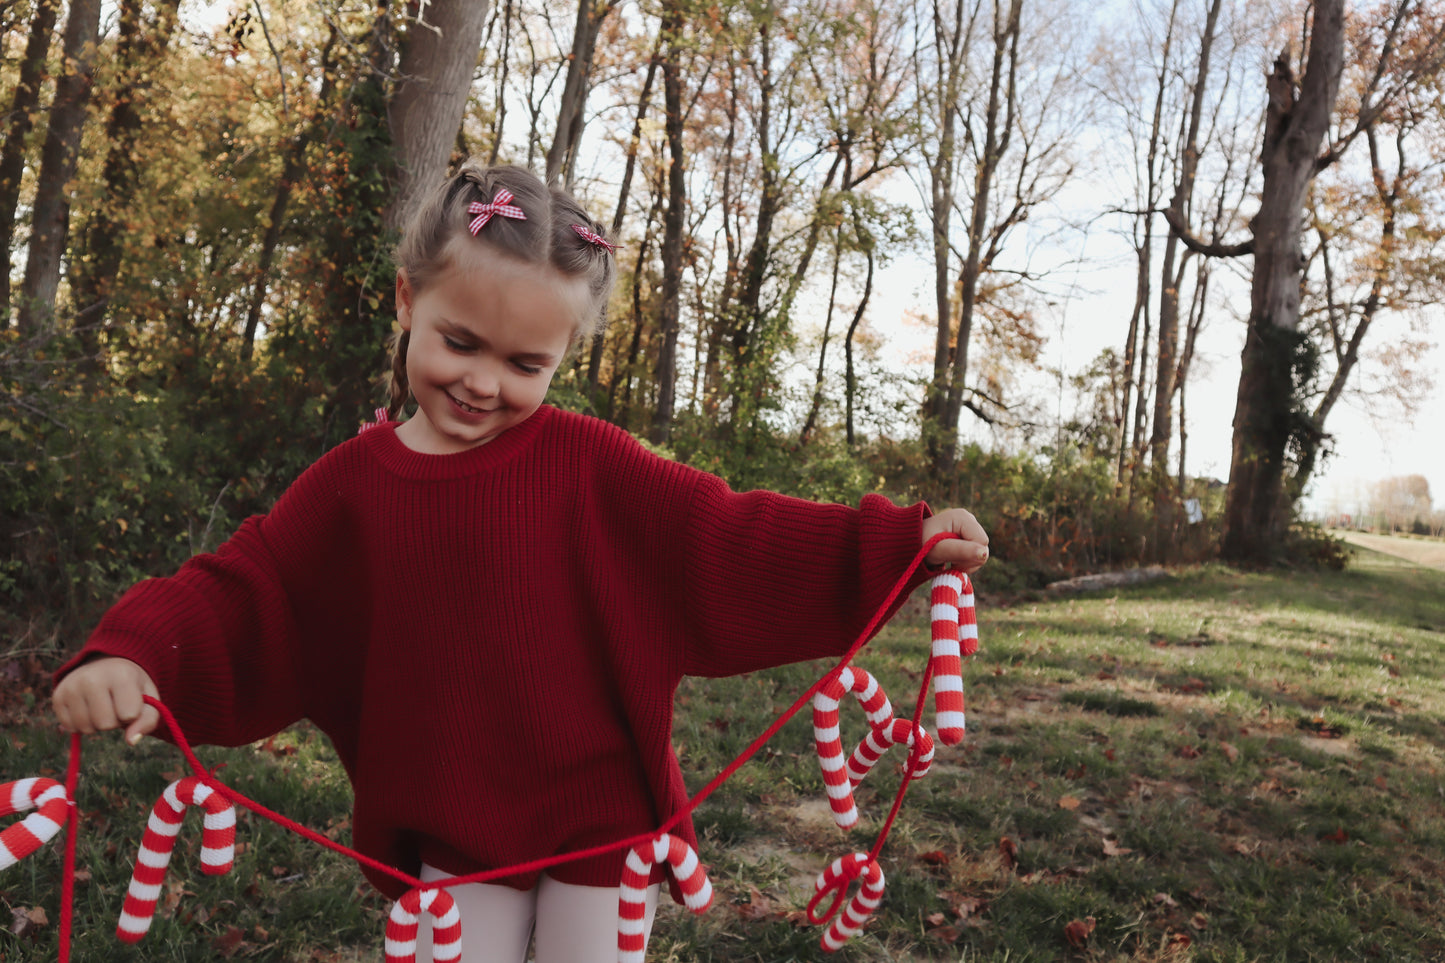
(851,872)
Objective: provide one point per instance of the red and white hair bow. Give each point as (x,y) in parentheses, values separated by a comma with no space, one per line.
(593,238)
(501,205)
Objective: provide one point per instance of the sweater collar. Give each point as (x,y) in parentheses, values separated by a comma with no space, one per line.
(400,460)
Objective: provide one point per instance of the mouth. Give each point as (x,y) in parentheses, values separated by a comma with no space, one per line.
(463,406)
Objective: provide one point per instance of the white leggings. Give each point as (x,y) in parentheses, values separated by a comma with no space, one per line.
(573,924)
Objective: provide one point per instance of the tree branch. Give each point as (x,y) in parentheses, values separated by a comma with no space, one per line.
(1207,248)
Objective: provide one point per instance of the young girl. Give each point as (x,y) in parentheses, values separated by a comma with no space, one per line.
(487,607)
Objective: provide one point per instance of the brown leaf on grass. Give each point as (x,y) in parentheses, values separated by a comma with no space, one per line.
(229,941)
(1199,921)
(1179,941)
(1230,751)
(935,919)
(1112,848)
(969,906)
(1188,752)
(758,906)
(27,921)
(1166,901)
(1069,802)
(934,857)
(1008,851)
(1245,847)
(1339,837)
(1077,932)
(1109,754)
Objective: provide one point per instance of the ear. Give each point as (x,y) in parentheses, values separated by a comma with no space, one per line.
(404,297)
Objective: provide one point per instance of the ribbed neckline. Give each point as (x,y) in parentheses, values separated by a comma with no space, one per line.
(400,460)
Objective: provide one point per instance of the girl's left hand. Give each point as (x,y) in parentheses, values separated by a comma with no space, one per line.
(967,552)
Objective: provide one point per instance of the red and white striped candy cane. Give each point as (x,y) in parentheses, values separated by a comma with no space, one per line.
(870,893)
(47,798)
(829,740)
(881,739)
(955,634)
(632,893)
(218,849)
(446,930)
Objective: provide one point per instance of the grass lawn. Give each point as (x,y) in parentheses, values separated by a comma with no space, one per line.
(1216,767)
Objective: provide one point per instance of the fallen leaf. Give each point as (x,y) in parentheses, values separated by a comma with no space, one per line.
(1188,752)
(1008,850)
(1165,900)
(1112,848)
(1199,921)
(27,922)
(1230,752)
(936,857)
(1068,802)
(757,907)
(1109,754)
(969,906)
(1339,836)
(935,919)
(1077,932)
(229,941)
(1180,941)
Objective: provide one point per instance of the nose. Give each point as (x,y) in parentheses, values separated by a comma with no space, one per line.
(482,379)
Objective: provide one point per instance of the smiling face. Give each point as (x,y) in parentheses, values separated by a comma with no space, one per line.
(487,335)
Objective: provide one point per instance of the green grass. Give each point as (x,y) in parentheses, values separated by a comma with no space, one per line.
(1218,767)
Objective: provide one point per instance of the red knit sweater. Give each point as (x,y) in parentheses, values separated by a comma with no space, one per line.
(492,639)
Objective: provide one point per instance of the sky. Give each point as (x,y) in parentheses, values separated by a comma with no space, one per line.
(1093,314)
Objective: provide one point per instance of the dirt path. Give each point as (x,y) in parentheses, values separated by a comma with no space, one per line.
(1430,553)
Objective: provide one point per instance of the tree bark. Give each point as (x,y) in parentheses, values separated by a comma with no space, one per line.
(572,106)
(50,217)
(850,378)
(1296,121)
(22,121)
(1167,357)
(816,405)
(997,135)
(437,61)
(672,227)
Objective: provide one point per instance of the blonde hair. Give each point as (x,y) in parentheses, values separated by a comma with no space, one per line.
(549,236)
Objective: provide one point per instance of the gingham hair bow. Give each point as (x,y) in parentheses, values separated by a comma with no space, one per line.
(592,238)
(501,205)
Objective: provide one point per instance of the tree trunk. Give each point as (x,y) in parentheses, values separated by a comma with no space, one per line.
(673,222)
(997,134)
(594,359)
(811,421)
(22,120)
(1171,280)
(850,380)
(139,48)
(437,61)
(572,106)
(1297,118)
(50,217)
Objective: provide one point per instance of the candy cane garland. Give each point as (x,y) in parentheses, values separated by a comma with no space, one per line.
(218,849)
(881,739)
(405,920)
(955,634)
(828,738)
(870,893)
(47,798)
(632,893)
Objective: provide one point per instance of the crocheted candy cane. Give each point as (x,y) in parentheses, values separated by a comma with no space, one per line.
(955,634)
(218,849)
(401,927)
(881,738)
(632,894)
(829,742)
(47,798)
(861,906)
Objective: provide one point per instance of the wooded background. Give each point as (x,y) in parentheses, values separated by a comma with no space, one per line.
(199,204)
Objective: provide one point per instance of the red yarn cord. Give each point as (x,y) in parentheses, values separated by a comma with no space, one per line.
(72,826)
(540,864)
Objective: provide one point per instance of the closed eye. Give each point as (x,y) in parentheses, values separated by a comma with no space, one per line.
(527,368)
(455,345)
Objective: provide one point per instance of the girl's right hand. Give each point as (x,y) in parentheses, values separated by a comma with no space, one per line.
(107,693)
